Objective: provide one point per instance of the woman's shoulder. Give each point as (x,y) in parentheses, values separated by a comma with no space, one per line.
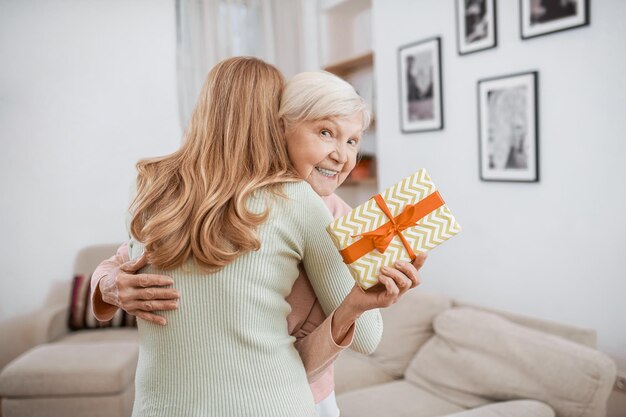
(301,187)
(301,193)
(301,201)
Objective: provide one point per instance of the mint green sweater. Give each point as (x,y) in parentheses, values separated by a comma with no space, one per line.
(226,350)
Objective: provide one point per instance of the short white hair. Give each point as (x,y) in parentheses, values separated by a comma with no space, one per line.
(320,95)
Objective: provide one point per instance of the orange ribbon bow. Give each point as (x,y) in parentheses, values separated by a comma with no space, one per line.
(380,238)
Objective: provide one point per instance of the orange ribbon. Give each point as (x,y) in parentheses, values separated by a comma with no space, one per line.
(380,238)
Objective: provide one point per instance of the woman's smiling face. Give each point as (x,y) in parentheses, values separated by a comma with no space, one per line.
(324,152)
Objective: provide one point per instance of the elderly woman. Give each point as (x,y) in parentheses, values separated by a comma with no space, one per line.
(323,119)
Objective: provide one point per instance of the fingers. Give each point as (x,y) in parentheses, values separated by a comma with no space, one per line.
(144,292)
(150,317)
(391,288)
(156,293)
(402,281)
(397,281)
(150,280)
(150,305)
(418,262)
(135,264)
(129,280)
(410,271)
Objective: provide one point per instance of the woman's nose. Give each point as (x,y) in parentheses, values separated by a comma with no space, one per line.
(340,154)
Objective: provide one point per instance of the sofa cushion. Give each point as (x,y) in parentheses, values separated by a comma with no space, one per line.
(354,370)
(407,326)
(397,399)
(518,408)
(116,405)
(477,357)
(70,369)
(126,334)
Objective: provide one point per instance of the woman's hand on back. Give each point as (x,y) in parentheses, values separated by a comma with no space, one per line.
(139,294)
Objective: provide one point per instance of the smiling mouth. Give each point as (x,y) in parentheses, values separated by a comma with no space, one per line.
(327,172)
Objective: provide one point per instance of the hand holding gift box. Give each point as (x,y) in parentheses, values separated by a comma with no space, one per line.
(407,218)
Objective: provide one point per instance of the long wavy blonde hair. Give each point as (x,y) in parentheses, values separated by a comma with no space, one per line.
(192,203)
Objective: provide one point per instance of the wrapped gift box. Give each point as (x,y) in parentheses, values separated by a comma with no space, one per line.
(406,219)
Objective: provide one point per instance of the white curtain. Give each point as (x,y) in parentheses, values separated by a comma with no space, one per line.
(211,30)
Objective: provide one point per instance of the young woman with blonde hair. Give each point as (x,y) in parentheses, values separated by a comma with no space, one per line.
(324,119)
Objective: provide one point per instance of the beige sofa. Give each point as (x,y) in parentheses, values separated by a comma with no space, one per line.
(442,357)
(63,373)
(437,357)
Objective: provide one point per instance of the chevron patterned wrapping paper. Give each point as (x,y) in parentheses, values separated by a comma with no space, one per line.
(432,230)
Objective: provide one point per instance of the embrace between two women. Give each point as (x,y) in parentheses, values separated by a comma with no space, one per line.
(254,302)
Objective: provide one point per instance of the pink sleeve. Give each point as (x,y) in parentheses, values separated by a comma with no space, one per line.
(318,349)
(102,310)
(336,205)
(314,340)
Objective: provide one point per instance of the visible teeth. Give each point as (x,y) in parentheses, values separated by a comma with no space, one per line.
(326,172)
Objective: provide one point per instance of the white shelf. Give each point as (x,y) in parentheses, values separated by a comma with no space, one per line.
(351,64)
(345,28)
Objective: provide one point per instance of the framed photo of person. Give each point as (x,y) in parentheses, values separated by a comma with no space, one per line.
(421,99)
(540,17)
(508,128)
(475,25)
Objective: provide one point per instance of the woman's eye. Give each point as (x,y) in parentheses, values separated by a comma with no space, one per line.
(353,142)
(326,133)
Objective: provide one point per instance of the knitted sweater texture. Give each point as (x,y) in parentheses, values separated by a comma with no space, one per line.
(226,350)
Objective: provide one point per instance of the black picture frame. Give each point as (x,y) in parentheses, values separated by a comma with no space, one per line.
(508,127)
(476,25)
(420,86)
(552,16)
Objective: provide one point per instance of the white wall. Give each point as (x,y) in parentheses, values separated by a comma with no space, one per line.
(87,87)
(556,249)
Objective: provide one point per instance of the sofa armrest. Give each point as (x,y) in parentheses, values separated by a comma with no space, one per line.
(26,331)
(53,324)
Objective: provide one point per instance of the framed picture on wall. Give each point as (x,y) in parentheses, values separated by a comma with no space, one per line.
(508,128)
(421,101)
(475,25)
(540,17)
